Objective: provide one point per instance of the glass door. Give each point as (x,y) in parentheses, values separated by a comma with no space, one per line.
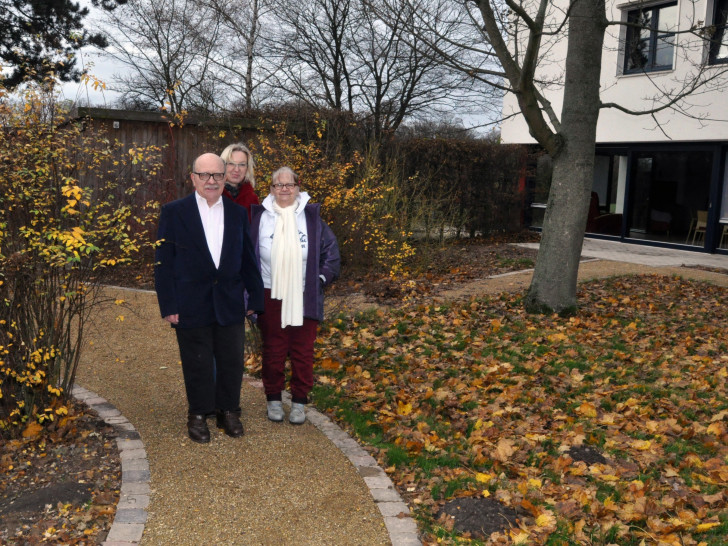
(669,196)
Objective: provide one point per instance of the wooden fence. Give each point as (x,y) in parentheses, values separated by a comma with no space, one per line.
(179,145)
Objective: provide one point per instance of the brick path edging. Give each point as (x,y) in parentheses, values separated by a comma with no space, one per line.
(131,510)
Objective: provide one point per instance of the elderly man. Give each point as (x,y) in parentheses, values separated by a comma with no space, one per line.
(205,262)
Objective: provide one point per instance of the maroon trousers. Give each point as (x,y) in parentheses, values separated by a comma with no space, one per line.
(294,342)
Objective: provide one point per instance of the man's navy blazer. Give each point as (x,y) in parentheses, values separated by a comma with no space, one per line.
(185,277)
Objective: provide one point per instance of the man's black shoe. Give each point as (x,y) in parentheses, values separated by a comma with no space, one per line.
(197,428)
(229,421)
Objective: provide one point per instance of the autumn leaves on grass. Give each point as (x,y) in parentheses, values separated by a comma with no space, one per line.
(479,399)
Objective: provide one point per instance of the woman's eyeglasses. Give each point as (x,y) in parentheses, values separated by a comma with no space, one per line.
(206,176)
(237,165)
(281,186)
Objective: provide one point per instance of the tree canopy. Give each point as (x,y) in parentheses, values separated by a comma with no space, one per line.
(40,37)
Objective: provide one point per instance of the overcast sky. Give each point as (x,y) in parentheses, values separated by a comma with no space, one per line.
(84,92)
(101,69)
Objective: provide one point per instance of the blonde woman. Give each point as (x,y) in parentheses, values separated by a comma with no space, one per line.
(240,176)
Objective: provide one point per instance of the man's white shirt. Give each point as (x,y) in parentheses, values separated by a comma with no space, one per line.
(213,222)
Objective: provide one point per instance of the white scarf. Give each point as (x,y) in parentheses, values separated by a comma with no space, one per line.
(287,266)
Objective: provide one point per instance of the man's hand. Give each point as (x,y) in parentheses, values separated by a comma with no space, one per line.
(172,319)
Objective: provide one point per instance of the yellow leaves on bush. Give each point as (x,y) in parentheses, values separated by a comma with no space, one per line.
(95,83)
(53,390)
(356,199)
(137,154)
(72,191)
(53,237)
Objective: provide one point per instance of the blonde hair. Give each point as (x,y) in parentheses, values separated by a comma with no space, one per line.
(240,147)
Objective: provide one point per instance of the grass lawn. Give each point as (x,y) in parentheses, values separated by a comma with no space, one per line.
(608,427)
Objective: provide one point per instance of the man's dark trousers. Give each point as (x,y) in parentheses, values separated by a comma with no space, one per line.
(208,351)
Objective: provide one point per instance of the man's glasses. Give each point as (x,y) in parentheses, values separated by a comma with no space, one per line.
(206,176)
(281,186)
(237,165)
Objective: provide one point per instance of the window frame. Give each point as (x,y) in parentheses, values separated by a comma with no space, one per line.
(633,33)
(720,35)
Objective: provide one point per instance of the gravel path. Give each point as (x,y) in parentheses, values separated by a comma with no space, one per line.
(279,484)
(588,269)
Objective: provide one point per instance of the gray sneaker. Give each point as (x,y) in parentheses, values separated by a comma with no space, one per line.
(298,414)
(275,411)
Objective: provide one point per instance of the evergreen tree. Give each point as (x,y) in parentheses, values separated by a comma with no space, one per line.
(38,37)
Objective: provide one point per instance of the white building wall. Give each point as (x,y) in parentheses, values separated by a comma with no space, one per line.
(634,91)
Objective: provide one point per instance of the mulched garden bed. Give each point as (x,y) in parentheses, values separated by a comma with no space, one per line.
(61,485)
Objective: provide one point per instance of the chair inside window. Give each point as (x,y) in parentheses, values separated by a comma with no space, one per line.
(698,227)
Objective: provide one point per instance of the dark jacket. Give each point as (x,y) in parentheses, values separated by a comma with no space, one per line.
(323,257)
(245,197)
(185,277)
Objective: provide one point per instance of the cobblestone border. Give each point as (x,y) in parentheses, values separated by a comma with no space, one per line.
(131,510)
(401,526)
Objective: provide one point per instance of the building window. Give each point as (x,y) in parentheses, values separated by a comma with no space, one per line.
(651,38)
(719,33)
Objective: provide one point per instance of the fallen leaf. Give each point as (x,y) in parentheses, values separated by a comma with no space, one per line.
(546,519)
(32,430)
(504,450)
(330,364)
(403,409)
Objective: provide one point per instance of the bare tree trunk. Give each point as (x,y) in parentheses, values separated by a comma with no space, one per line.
(250,55)
(553,287)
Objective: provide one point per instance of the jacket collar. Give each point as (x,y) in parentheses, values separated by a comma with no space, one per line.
(303,199)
